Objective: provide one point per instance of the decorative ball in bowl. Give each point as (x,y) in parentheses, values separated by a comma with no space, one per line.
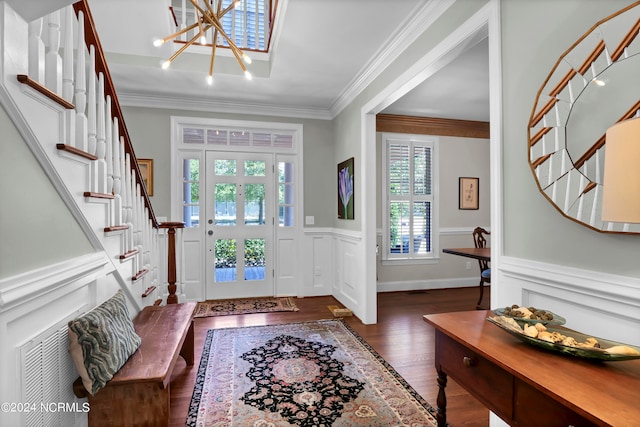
(530,315)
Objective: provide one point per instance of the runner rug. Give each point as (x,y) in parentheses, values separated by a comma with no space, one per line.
(300,374)
(227,307)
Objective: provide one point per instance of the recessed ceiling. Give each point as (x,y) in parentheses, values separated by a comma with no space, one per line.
(323,47)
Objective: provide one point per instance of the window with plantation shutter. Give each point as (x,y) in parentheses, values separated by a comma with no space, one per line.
(249,24)
(409,197)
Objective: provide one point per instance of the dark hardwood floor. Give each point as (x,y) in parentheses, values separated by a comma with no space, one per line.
(401,337)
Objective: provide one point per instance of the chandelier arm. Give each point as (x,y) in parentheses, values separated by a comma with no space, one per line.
(213,20)
(199,25)
(183,48)
(197,6)
(184,30)
(213,52)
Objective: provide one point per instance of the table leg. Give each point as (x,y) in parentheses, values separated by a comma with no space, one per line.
(441,414)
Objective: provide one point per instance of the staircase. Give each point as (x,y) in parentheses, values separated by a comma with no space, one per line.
(66,90)
(56,89)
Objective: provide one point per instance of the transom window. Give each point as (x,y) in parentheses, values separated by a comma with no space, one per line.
(409,197)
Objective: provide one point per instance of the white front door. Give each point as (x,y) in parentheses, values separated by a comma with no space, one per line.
(239,221)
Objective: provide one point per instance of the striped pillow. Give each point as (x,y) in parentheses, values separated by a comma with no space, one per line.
(101,341)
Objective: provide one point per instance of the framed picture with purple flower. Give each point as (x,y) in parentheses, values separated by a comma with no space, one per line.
(345,189)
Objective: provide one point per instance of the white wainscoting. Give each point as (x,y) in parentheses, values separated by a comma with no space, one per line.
(595,303)
(331,266)
(36,306)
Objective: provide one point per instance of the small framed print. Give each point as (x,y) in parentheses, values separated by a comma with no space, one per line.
(468,193)
(146,170)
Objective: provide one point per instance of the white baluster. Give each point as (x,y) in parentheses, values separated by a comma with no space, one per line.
(101,146)
(81,89)
(67,62)
(36,51)
(109,145)
(69,136)
(91,102)
(117,177)
(138,225)
(128,200)
(53,61)
(147,239)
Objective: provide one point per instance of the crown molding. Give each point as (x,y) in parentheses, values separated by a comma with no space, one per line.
(154,101)
(423,17)
(408,32)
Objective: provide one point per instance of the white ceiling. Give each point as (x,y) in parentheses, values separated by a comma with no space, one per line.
(322,51)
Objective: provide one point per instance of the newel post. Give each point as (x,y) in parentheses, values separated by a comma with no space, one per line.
(171,227)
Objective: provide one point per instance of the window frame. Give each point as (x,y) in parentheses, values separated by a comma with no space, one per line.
(411,141)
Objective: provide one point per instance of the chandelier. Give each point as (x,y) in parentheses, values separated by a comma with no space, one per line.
(207,19)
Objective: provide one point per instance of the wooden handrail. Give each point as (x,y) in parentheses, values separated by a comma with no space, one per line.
(91,38)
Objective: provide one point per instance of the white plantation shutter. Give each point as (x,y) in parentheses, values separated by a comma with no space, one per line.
(409,197)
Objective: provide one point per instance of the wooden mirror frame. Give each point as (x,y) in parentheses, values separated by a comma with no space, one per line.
(572,182)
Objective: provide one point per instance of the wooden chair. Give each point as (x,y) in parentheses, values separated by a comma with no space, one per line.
(480,241)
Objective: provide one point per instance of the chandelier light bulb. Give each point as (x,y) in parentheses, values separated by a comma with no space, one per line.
(203,39)
(158,42)
(209,79)
(246,58)
(247,75)
(166,64)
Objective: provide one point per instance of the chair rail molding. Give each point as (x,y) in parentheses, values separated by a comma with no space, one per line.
(576,294)
(76,272)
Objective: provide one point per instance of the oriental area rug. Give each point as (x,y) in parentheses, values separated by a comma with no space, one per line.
(227,307)
(306,374)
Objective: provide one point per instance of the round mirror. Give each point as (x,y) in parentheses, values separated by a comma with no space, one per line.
(592,86)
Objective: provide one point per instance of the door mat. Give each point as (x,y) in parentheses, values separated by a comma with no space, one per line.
(227,307)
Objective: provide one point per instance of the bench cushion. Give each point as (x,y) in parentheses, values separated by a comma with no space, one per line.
(101,341)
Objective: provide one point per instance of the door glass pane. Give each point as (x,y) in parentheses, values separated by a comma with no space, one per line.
(421,227)
(225,197)
(225,266)
(254,168)
(225,168)
(285,194)
(399,227)
(190,192)
(254,259)
(254,204)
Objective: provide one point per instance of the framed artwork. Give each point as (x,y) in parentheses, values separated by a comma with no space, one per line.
(345,189)
(146,170)
(468,193)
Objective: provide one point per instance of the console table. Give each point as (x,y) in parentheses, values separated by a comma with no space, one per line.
(528,386)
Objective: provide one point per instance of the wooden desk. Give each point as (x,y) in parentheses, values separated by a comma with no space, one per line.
(475,253)
(528,386)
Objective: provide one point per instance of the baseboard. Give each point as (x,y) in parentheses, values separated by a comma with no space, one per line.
(419,285)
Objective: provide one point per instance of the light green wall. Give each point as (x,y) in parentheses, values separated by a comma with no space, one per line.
(150,131)
(534,35)
(36,228)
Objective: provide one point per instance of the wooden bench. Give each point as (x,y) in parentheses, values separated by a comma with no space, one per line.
(139,393)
